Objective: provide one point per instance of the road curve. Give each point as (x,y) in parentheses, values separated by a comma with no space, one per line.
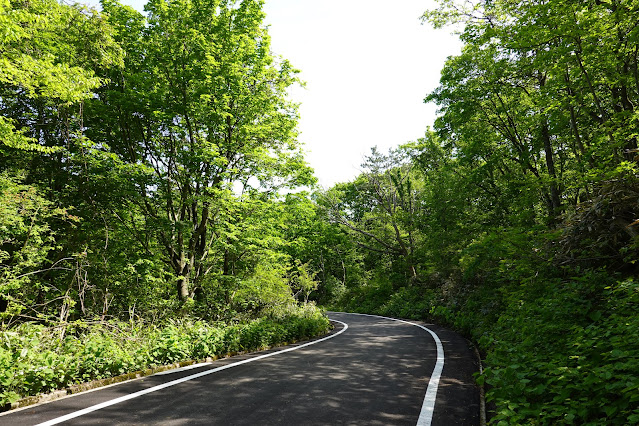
(369,371)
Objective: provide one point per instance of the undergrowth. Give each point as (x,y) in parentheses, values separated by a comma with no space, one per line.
(36,359)
(557,351)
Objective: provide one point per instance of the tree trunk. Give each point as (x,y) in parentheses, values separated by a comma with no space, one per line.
(555,193)
(183,279)
(183,288)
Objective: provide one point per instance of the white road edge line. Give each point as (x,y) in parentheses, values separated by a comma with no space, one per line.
(428,406)
(182,380)
(179,370)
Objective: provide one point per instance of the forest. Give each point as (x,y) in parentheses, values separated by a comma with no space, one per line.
(156,206)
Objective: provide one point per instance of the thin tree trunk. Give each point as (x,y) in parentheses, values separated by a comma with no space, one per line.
(555,193)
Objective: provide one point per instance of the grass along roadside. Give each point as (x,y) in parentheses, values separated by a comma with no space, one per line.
(35,360)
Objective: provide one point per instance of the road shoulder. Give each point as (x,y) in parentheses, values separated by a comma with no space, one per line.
(458,395)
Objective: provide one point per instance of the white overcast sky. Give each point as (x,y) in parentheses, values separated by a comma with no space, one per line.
(367,64)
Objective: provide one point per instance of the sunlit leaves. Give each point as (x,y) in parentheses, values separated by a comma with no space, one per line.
(46,58)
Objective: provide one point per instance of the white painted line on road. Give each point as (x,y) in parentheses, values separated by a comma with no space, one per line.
(182,380)
(428,406)
(177,370)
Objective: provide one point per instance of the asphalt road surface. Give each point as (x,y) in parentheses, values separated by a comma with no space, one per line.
(368,371)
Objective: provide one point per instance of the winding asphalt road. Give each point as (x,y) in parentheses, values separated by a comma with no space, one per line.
(368,371)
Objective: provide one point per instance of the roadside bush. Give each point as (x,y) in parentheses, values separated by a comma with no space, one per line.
(207,340)
(566,354)
(411,303)
(366,298)
(36,359)
(557,350)
(171,344)
(99,355)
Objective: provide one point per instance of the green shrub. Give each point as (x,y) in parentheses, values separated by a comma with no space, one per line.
(171,344)
(206,341)
(567,354)
(35,359)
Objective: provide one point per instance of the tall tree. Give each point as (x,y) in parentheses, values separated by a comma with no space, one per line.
(200,106)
